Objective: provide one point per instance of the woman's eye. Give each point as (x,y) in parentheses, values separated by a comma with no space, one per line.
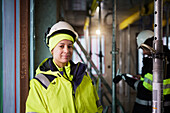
(62,46)
(70,46)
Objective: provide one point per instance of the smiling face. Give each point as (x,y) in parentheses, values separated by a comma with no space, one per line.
(62,52)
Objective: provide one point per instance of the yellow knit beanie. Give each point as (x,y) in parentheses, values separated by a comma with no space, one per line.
(54,40)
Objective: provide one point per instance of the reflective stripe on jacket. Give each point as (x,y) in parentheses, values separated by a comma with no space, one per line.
(147,83)
(51,92)
(149,103)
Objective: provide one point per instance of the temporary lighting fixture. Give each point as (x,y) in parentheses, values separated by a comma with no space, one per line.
(98,32)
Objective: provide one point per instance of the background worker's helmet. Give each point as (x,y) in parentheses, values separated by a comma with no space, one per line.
(145,40)
(60,27)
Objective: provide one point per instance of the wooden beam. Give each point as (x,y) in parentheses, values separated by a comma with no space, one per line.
(24,52)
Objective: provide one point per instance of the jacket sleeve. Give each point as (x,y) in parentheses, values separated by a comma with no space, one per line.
(130,81)
(99,106)
(98,103)
(35,102)
(136,85)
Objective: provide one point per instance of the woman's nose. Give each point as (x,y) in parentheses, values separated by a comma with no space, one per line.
(66,49)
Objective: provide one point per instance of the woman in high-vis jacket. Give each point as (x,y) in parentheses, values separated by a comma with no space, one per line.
(60,85)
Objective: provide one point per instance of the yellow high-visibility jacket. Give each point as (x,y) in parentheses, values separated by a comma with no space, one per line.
(68,91)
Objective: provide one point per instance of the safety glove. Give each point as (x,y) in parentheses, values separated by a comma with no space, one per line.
(123,76)
(119,78)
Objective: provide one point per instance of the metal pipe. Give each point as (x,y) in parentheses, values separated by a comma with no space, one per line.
(167,23)
(32,39)
(100,50)
(99,36)
(78,54)
(1,68)
(158,60)
(113,58)
(90,52)
(93,7)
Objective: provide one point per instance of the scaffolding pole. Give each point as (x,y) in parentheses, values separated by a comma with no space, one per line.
(100,50)
(90,41)
(157,95)
(167,23)
(113,58)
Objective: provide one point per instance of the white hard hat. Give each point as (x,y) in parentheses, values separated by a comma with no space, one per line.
(61,27)
(142,37)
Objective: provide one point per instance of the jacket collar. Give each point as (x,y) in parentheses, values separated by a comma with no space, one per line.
(76,69)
